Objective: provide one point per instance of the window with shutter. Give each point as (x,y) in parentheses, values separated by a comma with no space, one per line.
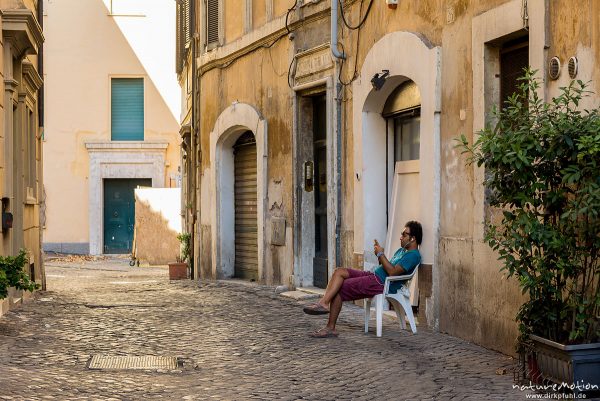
(514,58)
(187,32)
(127,109)
(179,38)
(184,32)
(212,23)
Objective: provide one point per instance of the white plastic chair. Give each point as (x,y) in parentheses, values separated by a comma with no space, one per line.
(400,300)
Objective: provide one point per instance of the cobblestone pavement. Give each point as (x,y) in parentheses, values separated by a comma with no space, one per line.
(235,341)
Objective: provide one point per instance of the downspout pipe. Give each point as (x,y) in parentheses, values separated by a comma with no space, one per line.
(193,139)
(334,31)
(40,65)
(338,128)
(40,70)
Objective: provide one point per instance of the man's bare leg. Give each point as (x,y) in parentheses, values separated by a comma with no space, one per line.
(333,287)
(334,311)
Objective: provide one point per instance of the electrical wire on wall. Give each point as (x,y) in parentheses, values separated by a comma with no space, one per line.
(361,23)
(352,28)
(287,32)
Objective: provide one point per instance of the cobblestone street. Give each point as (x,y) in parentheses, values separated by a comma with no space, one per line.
(234,342)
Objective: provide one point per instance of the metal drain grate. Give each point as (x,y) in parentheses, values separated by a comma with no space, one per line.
(133,362)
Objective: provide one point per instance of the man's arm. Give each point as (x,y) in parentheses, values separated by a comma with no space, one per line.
(390,269)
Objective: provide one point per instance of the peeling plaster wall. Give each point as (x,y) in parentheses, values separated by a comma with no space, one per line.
(472,298)
(263,86)
(474,301)
(575,31)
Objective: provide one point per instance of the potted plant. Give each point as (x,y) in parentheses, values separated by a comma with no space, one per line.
(179,269)
(13,275)
(542,175)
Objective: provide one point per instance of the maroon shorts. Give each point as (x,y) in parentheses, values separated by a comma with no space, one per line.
(359,285)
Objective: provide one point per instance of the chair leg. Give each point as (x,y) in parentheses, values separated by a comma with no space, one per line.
(400,315)
(379,313)
(367,313)
(405,302)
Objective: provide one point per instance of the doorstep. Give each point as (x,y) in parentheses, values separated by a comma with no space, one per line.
(312,290)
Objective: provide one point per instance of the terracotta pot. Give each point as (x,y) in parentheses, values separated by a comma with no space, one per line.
(178,271)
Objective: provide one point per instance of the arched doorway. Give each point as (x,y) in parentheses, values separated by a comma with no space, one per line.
(410,58)
(233,123)
(402,113)
(245,205)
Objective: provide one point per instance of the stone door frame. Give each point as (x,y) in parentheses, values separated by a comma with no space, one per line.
(119,159)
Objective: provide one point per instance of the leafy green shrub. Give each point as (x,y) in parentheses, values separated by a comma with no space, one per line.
(184,249)
(12,274)
(542,163)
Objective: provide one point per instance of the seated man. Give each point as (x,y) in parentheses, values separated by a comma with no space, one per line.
(351,284)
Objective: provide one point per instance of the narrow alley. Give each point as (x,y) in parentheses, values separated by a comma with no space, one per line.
(232,341)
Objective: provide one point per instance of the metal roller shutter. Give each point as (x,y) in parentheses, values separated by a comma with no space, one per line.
(246,229)
(127,109)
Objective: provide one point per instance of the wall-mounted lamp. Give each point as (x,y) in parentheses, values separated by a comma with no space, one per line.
(7,217)
(379,79)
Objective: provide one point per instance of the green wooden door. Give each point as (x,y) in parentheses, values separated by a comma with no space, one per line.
(119,213)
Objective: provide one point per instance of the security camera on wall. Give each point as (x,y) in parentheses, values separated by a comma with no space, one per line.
(392,3)
(379,79)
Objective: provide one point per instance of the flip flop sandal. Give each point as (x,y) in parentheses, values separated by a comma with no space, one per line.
(323,333)
(315,309)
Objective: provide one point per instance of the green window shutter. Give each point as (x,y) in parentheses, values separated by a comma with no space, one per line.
(127,109)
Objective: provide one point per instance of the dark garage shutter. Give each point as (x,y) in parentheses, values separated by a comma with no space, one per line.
(246,230)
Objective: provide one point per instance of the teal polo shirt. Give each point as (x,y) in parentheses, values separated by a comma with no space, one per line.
(409,260)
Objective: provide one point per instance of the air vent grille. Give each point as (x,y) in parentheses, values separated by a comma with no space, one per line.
(573,67)
(554,68)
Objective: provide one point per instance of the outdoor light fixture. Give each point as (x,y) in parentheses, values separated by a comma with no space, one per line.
(379,79)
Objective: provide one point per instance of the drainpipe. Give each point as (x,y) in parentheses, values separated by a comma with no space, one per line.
(40,65)
(196,112)
(338,128)
(40,68)
(193,140)
(334,31)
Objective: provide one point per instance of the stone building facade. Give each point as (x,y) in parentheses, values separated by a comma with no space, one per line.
(21,178)
(343,131)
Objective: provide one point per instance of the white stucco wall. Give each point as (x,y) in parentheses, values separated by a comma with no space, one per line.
(165,201)
(85,47)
